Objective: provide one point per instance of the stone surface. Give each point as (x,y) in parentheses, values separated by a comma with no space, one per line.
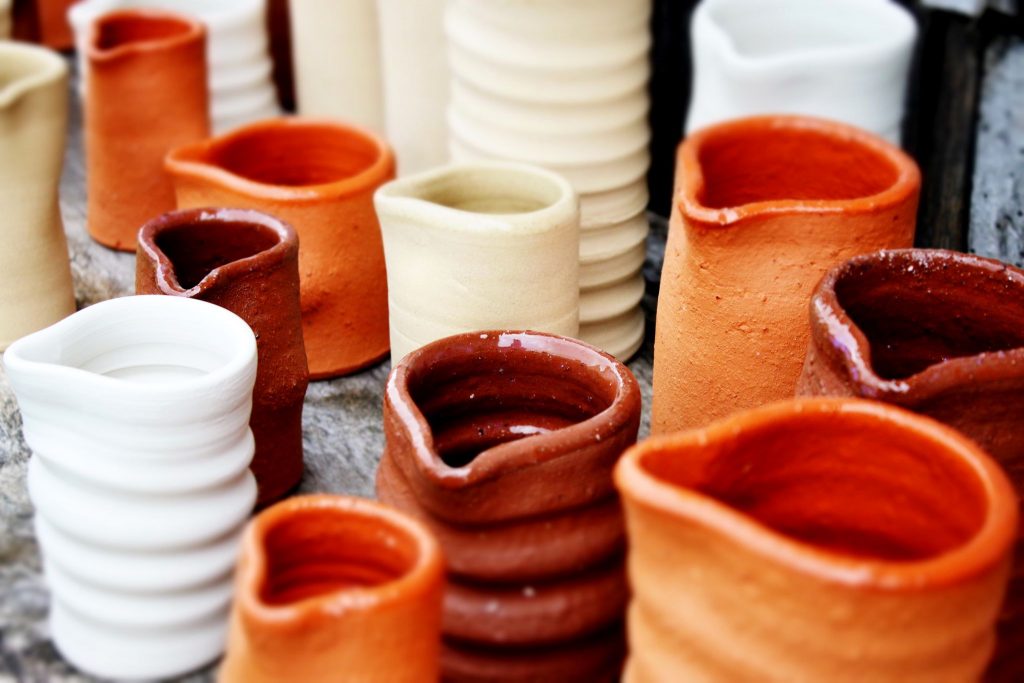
(342,437)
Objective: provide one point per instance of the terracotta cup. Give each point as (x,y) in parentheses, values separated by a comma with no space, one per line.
(503,444)
(248,263)
(333,588)
(320,177)
(146,95)
(41,21)
(815,540)
(764,206)
(940,333)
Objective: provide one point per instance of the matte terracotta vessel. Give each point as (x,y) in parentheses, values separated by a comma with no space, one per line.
(332,588)
(41,21)
(764,206)
(248,263)
(816,540)
(503,443)
(319,176)
(146,94)
(940,333)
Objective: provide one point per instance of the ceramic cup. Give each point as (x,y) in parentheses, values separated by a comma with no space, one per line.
(137,413)
(319,176)
(503,444)
(39,21)
(247,262)
(815,540)
(764,206)
(479,246)
(35,276)
(331,586)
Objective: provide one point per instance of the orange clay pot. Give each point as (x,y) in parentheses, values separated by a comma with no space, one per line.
(818,540)
(43,21)
(331,588)
(764,206)
(146,94)
(320,177)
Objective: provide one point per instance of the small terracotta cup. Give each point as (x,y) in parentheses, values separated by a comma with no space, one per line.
(815,540)
(503,443)
(247,262)
(764,206)
(320,177)
(940,333)
(146,94)
(334,588)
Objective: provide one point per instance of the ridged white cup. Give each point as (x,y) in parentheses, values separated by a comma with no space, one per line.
(137,410)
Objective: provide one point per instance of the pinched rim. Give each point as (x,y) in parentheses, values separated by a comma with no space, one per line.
(50,68)
(192,31)
(982,552)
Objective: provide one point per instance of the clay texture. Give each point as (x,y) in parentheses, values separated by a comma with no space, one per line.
(479,246)
(248,263)
(5,19)
(319,176)
(940,333)
(815,540)
(503,444)
(35,277)
(764,206)
(137,413)
(156,61)
(333,587)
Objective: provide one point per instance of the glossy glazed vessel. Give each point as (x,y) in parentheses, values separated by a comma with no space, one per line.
(331,585)
(853,528)
(940,333)
(137,413)
(237,53)
(563,85)
(319,176)
(503,444)
(479,246)
(336,58)
(35,276)
(248,263)
(845,60)
(155,60)
(764,206)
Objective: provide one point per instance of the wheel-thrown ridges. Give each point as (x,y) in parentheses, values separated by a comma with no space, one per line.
(237,53)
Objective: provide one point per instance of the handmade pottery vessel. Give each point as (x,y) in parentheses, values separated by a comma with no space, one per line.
(414,77)
(503,444)
(5,19)
(336,58)
(564,85)
(35,276)
(319,176)
(38,21)
(137,413)
(247,262)
(331,586)
(237,53)
(853,528)
(156,61)
(845,60)
(764,206)
(940,333)
(479,246)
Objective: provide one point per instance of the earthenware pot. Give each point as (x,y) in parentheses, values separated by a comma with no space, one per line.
(479,246)
(764,206)
(337,61)
(247,262)
(319,176)
(39,21)
(331,586)
(414,73)
(155,60)
(845,60)
(238,58)
(503,444)
(6,24)
(35,276)
(564,85)
(853,528)
(137,413)
(940,333)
